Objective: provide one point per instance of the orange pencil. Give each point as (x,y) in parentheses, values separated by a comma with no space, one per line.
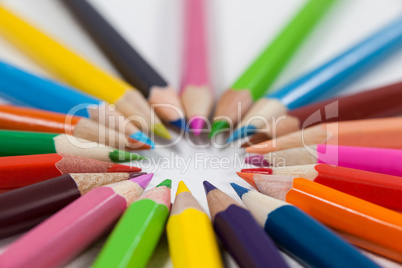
(378,133)
(362,223)
(31,119)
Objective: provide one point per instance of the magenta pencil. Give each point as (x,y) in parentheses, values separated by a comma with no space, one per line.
(70,231)
(196,91)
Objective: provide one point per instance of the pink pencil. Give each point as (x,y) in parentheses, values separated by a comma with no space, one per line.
(196,92)
(378,160)
(70,231)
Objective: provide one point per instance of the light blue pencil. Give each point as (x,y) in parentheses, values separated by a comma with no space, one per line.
(325,80)
(22,88)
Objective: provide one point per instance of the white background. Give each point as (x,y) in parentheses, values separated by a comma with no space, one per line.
(239,29)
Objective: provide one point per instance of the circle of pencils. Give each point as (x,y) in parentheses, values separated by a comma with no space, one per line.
(328,179)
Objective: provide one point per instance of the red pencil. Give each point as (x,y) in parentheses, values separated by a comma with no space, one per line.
(381,189)
(19,171)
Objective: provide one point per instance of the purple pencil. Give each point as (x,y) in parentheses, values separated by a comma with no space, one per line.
(240,233)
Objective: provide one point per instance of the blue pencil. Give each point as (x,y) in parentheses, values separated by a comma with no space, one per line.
(323,81)
(304,238)
(240,233)
(25,89)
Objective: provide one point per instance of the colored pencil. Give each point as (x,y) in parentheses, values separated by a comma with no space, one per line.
(325,79)
(27,143)
(261,74)
(374,103)
(23,88)
(240,233)
(130,64)
(190,234)
(266,171)
(377,133)
(137,233)
(20,171)
(380,189)
(377,160)
(79,72)
(304,238)
(23,208)
(30,119)
(362,223)
(196,91)
(70,231)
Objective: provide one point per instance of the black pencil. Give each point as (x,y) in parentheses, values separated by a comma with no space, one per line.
(131,65)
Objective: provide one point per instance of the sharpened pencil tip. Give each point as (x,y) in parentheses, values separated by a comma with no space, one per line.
(133,175)
(167,183)
(217,127)
(208,187)
(180,123)
(141,137)
(197,125)
(182,187)
(242,133)
(248,177)
(123,156)
(240,191)
(160,130)
(143,180)
(256,160)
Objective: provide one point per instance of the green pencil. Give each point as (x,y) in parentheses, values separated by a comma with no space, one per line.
(261,74)
(136,235)
(27,143)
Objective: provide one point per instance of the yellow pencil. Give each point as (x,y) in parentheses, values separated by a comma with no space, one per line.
(80,73)
(190,234)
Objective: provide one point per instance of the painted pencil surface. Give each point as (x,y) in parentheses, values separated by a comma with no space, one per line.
(261,74)
(240,233)
(20,171)
(131,65)
(196,91)
(374,103)
(380,189)
(324,79)
(30,119)
(362,223)
(70,231)
(79,72)
(23,208)
(190,234)
(304,238)
(27,143)
(25,89)
(137,233)
(377,160)
(378,133)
